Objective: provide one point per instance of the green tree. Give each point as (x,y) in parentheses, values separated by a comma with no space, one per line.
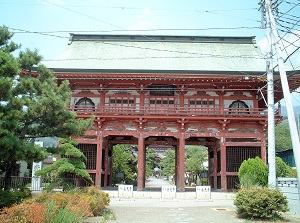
(194,160)
(283,139)
(151,161)
(168,163)
(255,169)
(30,107)
(70,165)
(282,169)
(124,161)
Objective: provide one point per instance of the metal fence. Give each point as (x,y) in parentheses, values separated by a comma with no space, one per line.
(42,183)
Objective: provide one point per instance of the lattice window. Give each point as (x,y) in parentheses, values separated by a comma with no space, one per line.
(235,155)
(233,182)
(93,176)
(124,101)
(90,152)
(218,161)
(239,107)
(85,103)
(218,182)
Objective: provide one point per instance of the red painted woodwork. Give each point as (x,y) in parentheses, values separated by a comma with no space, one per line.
(197,112)
(181,158)
(141,164)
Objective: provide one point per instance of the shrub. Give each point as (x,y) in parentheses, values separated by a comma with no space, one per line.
(282,169)
(97,199)
(9,198)
(74,200)
(293,173)
(25,212)
(65,214)
(95,192)
(255,167)
(248,181)
(58,207)
(260,203)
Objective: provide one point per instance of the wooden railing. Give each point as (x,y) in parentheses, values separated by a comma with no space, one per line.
(171,111)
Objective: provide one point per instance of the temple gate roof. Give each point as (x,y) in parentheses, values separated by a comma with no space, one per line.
(155,54)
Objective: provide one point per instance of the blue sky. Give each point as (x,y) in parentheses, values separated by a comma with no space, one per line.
(55,19)
(104,15)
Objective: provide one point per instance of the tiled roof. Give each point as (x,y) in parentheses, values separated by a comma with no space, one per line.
(159,53)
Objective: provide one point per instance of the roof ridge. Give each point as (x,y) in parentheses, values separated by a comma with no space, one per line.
(162,38)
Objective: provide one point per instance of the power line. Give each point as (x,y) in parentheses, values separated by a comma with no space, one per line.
(88,16)
(137,30)
(295,5)
(91,17)
(134,8)
(39,33)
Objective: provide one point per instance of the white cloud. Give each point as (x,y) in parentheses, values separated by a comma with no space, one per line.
(143,21)
(289,44)
(263,45)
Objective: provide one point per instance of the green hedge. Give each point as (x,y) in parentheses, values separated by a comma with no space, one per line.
(262,203)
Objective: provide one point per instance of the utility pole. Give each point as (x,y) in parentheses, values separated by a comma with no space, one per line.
(285,88)
(271,113)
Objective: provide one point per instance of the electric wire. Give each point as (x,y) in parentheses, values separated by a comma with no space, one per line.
(135,30)
(202,11)
(136,8)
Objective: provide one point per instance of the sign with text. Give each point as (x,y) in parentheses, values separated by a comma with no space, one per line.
(36,181)
(125,191)
(203,192)
(168,191)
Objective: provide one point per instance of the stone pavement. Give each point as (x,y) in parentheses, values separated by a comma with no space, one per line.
(148,207)
(140,210)
(180,211)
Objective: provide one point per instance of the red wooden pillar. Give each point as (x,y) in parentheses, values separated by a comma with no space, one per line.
(223,164)
(176,165)
(142,100)
(181,171)
(141,163)
(221,102)
(215,168)
(110,170)
(99,160)
(106,166)
(181,99)
(102,101)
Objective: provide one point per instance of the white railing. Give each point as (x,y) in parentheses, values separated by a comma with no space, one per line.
(290,188)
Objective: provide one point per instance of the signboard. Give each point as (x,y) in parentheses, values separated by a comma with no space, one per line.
(125,191)
(36,182)
(168,191)
(203,192)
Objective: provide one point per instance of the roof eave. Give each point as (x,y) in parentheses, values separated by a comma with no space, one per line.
(138,71)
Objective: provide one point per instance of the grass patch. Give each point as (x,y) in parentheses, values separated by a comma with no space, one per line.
(108,215)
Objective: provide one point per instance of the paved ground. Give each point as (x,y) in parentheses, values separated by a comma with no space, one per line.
(154,210)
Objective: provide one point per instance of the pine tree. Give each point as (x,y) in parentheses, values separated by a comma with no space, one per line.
(31,105)
(69,167)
